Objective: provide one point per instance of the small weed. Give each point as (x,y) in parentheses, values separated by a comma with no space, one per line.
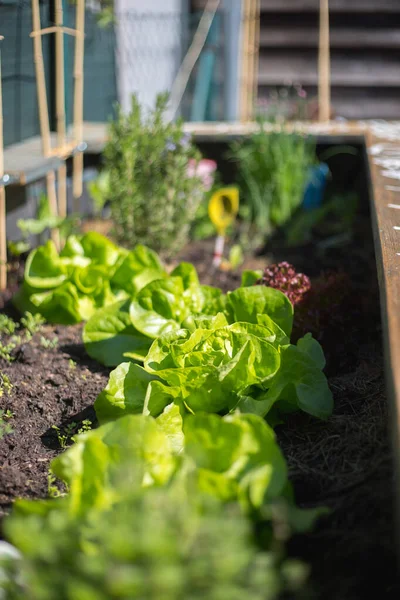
(47,343)
(64,436)
(52,490)
(86,426)
(7,348)
(32,323)
(72,364)
(5,384)
(7,325)
(67,434)
(5,427)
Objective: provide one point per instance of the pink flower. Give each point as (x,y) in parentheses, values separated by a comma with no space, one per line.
(204,169)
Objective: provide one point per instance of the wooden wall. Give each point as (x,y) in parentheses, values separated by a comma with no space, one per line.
(365,52)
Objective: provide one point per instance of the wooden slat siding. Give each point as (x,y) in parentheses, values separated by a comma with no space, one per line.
(307,37)
(340,6)
(387,250)
(336,6)
(364,41)
(347,70)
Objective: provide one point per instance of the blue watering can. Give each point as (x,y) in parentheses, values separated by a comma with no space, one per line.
(314,192)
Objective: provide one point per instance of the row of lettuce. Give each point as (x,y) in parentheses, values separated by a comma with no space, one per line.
(165,495)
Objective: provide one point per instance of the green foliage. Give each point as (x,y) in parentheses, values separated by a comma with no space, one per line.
(273,168)
(238,359)
(32,323)
(90,272)
(6,348)
(5,427)
(334,217)
(48,343)
(143,547)
(5,388)
(153,195)
(126,329)
(99,190)
(17,248)
(236,257)
(7,325)
(45,220)
(29,324)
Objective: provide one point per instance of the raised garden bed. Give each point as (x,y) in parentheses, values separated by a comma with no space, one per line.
(344,463)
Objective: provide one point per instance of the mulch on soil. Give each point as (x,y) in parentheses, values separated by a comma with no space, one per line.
(344,463)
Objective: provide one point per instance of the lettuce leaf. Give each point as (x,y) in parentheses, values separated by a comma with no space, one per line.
(247,303)
(240,449)
(90,272)
(110,337)
(100,462)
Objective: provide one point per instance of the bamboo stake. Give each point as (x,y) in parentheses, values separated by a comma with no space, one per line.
(256,55)
(245,54)
(40,81)
(60,107)
(251,58)
(3,239)
(52,198)
(324,83)
(77,175)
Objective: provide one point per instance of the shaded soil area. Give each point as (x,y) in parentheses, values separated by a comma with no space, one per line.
(344,463)
(52,386)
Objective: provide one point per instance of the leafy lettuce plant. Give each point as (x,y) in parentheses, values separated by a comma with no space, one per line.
(169,543)
(90,272)
(126,329)
(240,359)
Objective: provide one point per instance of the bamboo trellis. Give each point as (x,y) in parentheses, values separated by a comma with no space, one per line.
(64,147)
(3,239)
(250,58)
(250,50)
(324,68)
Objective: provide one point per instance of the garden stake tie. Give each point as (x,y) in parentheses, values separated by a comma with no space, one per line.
(222,210)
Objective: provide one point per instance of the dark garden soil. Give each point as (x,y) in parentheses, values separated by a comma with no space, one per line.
(344,463)
(53,386)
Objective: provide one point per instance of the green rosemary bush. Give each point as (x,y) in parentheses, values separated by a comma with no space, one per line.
(155,187)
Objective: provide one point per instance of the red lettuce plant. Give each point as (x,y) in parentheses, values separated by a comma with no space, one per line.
(328,307)
(284,277)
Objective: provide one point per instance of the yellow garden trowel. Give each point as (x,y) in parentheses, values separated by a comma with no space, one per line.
(222,210)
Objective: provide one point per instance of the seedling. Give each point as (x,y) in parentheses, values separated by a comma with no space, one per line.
(47,343)
(32,323)
(52,490)
(68,434)
(5,427)
(5,384)
(7,325)
(72,364)
(6,349)
(64,435)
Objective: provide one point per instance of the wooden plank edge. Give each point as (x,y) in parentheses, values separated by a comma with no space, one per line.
(389,287)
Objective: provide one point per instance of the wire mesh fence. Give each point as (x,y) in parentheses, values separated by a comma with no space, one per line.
(139,52)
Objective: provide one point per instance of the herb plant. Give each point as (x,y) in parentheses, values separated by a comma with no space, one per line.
(155,186)
(273,168)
